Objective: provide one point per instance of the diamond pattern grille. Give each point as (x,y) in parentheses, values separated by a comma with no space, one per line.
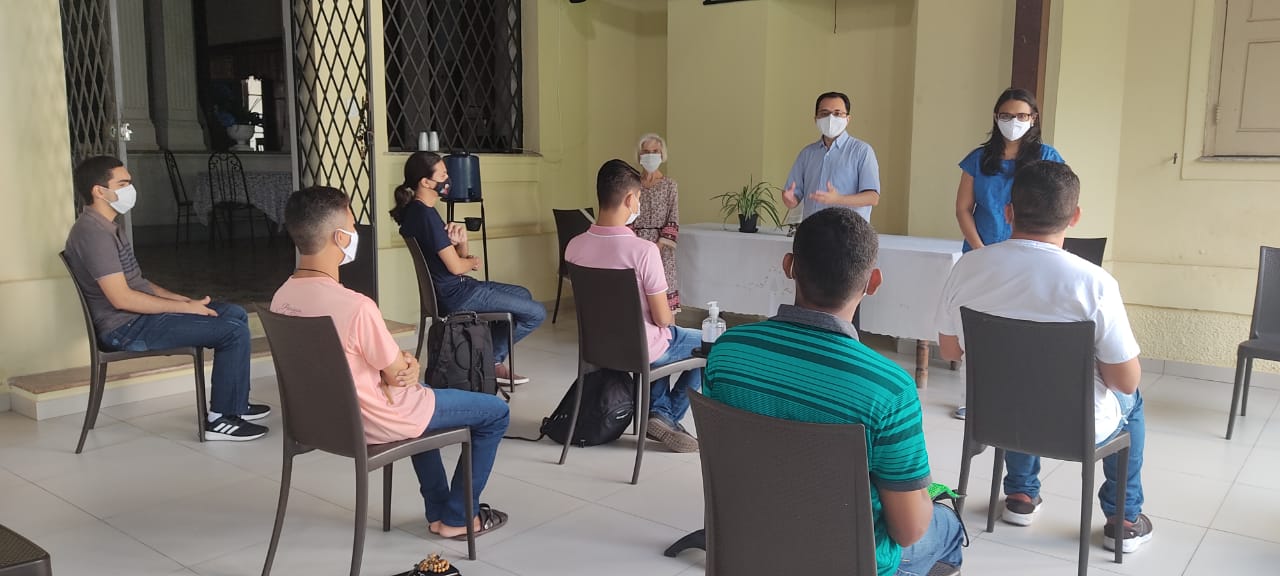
(330,66)
(91,104)
(454,66)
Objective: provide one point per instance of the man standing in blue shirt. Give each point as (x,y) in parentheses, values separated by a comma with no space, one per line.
(838,170)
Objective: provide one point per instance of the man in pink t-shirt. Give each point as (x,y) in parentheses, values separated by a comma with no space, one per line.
(611,244)
(393,403)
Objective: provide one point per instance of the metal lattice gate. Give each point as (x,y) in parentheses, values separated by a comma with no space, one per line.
(93,79)
(329,50)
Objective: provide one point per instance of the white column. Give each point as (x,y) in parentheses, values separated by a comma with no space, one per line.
(173,66)
(133,68)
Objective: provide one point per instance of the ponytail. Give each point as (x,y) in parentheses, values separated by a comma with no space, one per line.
(403,196)
(419,165)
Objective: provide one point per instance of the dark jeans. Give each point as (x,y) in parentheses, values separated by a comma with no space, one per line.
(499,297)
(487,417)
(227,333)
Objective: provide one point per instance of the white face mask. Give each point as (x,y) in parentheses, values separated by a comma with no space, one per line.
(631,219)
(650,162)
(832,127)
(1013,129)
(125,199)
(349,253)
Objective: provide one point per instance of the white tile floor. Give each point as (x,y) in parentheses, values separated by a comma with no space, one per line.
(147,499)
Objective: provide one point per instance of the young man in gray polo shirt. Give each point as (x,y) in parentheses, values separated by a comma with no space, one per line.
(133,313)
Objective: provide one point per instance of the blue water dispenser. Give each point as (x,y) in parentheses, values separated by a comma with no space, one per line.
(464,177)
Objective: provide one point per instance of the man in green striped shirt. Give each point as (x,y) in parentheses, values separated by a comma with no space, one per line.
(806,364)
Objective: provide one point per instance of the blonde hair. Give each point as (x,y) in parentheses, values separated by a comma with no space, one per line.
(656,138)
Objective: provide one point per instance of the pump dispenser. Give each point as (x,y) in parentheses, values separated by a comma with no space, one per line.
(712,327)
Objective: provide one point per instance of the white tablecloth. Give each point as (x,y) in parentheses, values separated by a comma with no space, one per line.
(743,272)
(268,192)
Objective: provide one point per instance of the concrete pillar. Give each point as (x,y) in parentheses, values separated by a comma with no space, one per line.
(136,100)
(175,108)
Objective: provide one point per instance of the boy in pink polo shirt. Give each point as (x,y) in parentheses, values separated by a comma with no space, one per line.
(393,403)
(611,244)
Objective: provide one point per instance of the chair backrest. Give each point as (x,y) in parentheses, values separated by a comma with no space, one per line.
(426,285)
(807,482)
(569,224)
(1266,301)
(611,329)
(317,395)
(90,329)
(175,177)
(1029,385)
(1090,249)
(226,179)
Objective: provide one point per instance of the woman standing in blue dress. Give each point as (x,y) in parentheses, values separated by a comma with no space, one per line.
(988,171)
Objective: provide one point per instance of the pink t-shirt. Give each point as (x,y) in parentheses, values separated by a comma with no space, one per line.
(369,348)
(618,248)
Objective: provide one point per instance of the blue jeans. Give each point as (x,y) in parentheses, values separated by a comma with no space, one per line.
(670,403)
(940,544)
(227,333)
(499,297)
(1023,475)
(487,417)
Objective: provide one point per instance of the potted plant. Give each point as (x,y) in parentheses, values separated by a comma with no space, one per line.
(238,121)
(748,203)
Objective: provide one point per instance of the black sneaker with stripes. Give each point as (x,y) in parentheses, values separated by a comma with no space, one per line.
(234,429)
(256,412)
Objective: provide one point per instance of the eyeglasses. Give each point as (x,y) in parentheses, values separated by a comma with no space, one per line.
(1005,117)
(837,114)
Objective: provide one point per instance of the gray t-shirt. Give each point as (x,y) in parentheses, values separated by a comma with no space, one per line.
(96,248)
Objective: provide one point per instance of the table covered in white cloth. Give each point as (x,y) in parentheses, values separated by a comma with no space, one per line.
(743,272)
(268,192)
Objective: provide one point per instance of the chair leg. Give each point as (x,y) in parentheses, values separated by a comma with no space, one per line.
(511,354)
(1086,514)
(1122,471)
(966,463)
(642,412)
(471,513)
(286,475)
(559,289)
(573,419)
(422,337)
(97,398)
(997,470)
(95,387)
(1241,367)
(386,497)
(362,516)
(202,405)
(1244,395)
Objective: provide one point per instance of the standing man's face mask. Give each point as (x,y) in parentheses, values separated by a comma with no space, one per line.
(126,198)
(832,126)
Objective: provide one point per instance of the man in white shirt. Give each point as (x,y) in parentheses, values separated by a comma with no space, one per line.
(1030,277)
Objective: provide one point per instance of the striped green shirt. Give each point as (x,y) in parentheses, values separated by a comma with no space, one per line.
(809,366)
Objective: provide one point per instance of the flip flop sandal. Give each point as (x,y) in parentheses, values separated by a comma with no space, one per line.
(490,520)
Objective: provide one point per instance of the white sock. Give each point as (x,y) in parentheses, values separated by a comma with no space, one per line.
(214,416)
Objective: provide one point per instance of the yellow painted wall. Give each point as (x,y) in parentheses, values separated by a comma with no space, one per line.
(43,326)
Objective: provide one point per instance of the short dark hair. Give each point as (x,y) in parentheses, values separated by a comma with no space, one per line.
(93,171)
(1045,195)
(309,216)
(613,181)
(833,254)
(841,95)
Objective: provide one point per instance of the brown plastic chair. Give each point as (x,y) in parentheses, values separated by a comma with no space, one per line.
(611,336)
(99,359)
(742,495)
(429,309)
(569,224)
(320,412)
(1264,331)
(22,557)
(185,207)
(1090,249)
(1029,387)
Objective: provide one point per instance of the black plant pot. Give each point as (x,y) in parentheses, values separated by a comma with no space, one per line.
(748,223)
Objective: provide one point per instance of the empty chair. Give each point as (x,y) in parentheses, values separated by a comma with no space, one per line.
(320,412)
(1030,389)
(229,195)
(1090,249)
(569,224)
(1264,331)
(22,557)
(99,359)
(611,335)
(185,207)
(428,308)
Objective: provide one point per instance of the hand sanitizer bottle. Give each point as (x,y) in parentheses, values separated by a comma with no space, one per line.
(712,327)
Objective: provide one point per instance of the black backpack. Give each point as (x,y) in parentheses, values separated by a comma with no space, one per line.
(608,405)
(460,353)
